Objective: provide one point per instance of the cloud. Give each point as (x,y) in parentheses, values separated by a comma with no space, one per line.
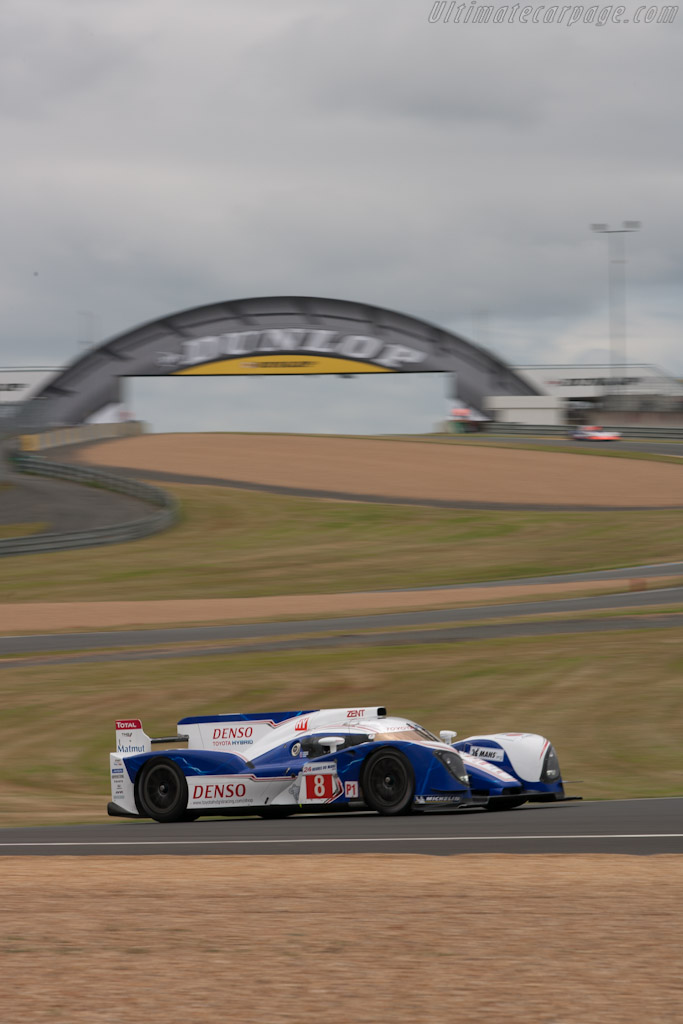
(164,155)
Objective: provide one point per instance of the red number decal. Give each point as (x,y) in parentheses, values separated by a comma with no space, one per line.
(319,786)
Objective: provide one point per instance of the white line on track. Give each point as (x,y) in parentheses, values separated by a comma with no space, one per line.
(382,839)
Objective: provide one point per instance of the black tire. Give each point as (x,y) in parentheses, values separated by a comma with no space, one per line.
(161,791)
(388,782)
(505,803)
(276,812)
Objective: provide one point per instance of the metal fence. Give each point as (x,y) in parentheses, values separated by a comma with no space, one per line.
(164,514)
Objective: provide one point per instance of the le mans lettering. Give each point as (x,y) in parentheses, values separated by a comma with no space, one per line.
(298,340)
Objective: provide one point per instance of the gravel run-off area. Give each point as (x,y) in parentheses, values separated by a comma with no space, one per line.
(401,468)
(58,615)
(269,940)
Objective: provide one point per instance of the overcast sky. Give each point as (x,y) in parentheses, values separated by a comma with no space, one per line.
(162,154)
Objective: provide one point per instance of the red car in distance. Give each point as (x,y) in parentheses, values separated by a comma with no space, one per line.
(594,433)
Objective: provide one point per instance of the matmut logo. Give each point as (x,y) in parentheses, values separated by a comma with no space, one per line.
(301,725)
(132,723)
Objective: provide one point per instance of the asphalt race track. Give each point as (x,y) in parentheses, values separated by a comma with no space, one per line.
(396,625)
(645,447)
(642,827)
(65,507)
(356,640)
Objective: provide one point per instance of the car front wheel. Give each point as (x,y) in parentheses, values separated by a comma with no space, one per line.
(388,782)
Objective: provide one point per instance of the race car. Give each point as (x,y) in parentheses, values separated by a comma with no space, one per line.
(594,433)
(281,763)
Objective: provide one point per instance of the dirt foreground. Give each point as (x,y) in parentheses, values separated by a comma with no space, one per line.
(363,939)
(401,468)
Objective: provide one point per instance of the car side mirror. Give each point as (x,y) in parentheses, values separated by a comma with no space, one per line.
(448,735)
(331,743)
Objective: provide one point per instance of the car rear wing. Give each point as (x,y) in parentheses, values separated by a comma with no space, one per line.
(131,738)
(237,733)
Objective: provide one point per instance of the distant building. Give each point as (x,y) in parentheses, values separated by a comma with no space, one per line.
(571,393)
(18,384)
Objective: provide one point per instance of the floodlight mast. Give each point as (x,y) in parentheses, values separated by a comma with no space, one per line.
(616,289)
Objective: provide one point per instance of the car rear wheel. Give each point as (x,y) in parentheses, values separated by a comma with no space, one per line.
(161,791)
(388,782)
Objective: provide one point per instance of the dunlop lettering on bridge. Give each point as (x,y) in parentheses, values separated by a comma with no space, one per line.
(276,335)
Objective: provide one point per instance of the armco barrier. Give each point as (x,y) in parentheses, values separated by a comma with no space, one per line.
(164,514)
(78,435)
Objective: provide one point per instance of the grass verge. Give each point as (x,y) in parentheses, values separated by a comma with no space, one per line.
(11,530)
(234,543)
(58,720)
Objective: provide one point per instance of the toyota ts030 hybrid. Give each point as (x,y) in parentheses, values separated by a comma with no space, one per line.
(276,764)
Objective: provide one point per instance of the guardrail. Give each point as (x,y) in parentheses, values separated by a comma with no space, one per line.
(56,438)
(164,515)
(539,430)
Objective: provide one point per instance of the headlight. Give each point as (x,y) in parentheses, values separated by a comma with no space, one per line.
(453,762)
(551,766)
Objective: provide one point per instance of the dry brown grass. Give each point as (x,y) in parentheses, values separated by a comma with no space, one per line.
(364,939)
(611,703)
(233,543)
(10,530)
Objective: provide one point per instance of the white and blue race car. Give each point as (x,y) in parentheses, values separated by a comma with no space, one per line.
(280,763)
